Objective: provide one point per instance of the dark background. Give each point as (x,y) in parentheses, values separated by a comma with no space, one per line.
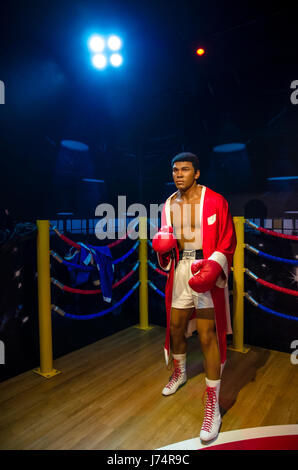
(163,100)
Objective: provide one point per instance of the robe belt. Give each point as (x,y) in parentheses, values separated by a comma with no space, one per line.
(190,254)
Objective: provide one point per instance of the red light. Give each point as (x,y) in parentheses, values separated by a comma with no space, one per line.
(200,51)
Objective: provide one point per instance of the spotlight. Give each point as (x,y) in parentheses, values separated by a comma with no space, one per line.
(114,43)
(116,60)
(99,61)
(200,51)
(96,43)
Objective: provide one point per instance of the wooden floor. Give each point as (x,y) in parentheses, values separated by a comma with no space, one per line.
(108,396)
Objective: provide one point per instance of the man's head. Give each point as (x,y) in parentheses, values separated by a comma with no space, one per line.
(187,157)
(185,167)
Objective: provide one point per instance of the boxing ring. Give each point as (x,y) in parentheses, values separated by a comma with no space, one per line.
(45,306)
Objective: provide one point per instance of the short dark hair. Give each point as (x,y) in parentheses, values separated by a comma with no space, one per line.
(187,157)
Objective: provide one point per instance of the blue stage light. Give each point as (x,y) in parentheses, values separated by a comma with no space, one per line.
(99,61)
(92,180)
(116,60)
(114,43)
(96,43)
(282,178)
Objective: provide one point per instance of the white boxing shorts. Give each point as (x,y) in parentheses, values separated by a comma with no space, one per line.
(183,295)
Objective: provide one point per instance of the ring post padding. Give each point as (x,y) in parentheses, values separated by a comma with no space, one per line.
(143,275)
(238,288)
(44,301)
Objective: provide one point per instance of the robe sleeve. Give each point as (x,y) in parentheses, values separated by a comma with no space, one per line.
(226,244)
(165,260)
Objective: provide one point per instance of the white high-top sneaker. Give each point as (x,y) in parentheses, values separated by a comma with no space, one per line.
(178,378)
(212,419)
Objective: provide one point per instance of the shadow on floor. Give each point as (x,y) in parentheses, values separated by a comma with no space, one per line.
(240,370)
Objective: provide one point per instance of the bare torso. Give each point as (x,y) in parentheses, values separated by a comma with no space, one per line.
(185,219)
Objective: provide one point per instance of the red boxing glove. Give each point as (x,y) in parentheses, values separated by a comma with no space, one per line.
(163,243)
(205,274)
(164,240)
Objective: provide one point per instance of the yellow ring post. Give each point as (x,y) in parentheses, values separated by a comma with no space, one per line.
(238,288)
(143,275)
(44,301)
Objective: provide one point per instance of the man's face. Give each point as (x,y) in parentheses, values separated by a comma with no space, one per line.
(184,175)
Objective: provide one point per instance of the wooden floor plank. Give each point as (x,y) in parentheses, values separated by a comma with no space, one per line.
(108,396)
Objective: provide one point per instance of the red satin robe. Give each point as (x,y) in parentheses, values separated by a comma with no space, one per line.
(219,244)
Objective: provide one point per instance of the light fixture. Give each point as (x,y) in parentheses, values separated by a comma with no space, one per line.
(96,43)
(99,61)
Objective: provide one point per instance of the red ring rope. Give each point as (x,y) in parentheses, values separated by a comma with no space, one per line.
(159,271)
(278,288)
(93,291)
(276,234)
(78,247)
(67,240)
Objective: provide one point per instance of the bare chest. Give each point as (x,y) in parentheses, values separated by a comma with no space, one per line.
(185,215)
(185,219)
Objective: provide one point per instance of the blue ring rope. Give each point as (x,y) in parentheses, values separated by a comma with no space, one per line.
(103,312)
(156,289)
(271,257)
(116,261)
(93,268)
(81,267)
(152,265)
(269,310)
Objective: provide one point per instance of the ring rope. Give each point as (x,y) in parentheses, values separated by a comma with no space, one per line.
(156,289)
(271,257)
(78,247)
(71,265)
(98,314)
(269,310)
(66,239)
(126,255)
(155,268)
(91,268)
(270,232)
(270,285)
(92,291)
(117,242)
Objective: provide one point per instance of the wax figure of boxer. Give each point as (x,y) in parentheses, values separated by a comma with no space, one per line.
(196,244)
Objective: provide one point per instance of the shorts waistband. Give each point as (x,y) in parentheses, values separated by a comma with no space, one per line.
(190,254)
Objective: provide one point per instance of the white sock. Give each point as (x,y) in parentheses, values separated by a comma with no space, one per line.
(214,384)
(181,358)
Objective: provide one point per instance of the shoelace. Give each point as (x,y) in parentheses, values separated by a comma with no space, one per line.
(209,408)
(176,374)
